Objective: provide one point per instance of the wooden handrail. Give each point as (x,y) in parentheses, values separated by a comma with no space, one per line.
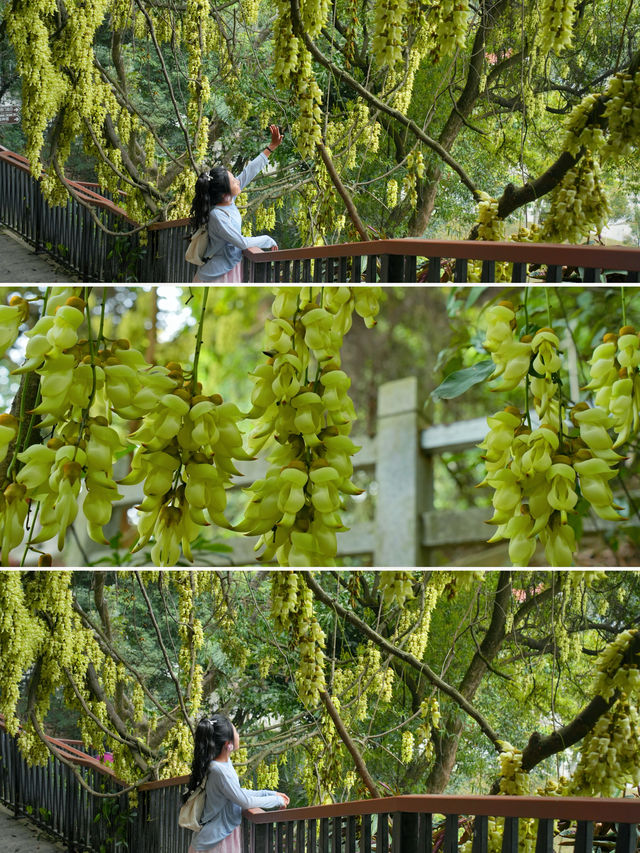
(622,810)
(81,190)
(561,254)
(65,747)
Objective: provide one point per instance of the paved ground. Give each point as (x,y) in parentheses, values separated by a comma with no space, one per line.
(22,836)
(19,264)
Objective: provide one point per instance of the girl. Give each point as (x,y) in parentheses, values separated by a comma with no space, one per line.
(215,740)
(214,205)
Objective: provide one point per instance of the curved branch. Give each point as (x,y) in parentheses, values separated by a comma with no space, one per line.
(361,767)
(92,213)
(343,192)
(299,31)
(165,654)
(165,74)
(408,658)
(514,197)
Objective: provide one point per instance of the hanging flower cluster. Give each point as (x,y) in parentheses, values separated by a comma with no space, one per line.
(538,474)
(490,226)
(300,398)
(556,24)
(292,609)
(293,69)
(578,204)
(184,449)
(609,752)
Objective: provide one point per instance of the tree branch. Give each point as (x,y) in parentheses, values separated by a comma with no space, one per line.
(343,192)
(300,32)
(361,767)
(540,747)
(408,658)
(165,654)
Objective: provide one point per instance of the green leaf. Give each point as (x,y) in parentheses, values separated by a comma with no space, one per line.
(461,380)
(474,294)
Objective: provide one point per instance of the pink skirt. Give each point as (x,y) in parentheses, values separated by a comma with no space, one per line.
(231,844)
(234,276)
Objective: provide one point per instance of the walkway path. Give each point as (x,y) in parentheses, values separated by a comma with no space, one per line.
(19,264)
(22,836)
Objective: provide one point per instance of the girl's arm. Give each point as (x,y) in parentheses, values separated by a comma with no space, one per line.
(223,226)
(258,163)
(230,789)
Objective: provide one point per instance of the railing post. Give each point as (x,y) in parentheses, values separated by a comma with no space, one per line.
(405,832)
(259,838)
(403,473)
(392,268)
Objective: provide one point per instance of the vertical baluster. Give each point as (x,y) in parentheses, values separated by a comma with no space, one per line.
(382,840)
(371,273)
(365,834)
(312,843)
(331,270)
(262,837)
(433,272)
(405,832)
(627,839)
(324,835)
(350,840)
(510,835)
(425,833)
(276,271)
(480,834)
(392,268)
(554,273)
(590,274)
(306,270)
(584,837)
(336,835)
(317,270)
(460,273)
(296,270)
(342,270)
(488,271)
(286,271)
(356,269)
(519,272)
(280,838)
(299,847)
(450,834)
(633,276)
(410,269)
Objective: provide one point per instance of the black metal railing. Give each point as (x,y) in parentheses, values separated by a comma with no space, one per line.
(147,821)
(70,234)
(52,797)
(439,261)
(422,824)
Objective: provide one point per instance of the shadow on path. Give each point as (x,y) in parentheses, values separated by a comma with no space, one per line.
(21,836)
(19,264)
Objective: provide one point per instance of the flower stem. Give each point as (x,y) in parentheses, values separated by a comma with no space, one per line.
(546,293)
(196,355)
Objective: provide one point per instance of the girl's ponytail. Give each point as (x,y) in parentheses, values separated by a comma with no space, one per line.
(211,187)
(211,735)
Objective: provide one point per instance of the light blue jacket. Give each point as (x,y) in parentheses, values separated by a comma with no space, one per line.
(225,802)
(226,241)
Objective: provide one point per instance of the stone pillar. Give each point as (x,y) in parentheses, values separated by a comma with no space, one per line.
(403,473)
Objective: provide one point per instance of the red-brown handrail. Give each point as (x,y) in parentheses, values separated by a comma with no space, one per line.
(622,810)
(560,254)
(80,188)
